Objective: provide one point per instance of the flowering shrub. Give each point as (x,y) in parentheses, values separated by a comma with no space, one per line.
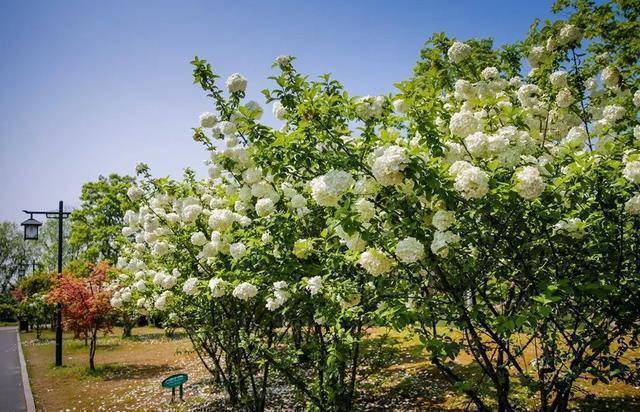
(503,206)
(85,305)
(33,310)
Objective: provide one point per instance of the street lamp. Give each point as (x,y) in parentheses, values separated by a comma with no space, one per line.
(31,227)
(25,266)
(31,233)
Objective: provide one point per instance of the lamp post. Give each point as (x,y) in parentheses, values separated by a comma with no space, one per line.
(31,227)
(25,266)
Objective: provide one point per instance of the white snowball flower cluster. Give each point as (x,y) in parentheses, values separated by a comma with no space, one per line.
(535,56)
(366,210)
(135,193)
(217,287)
(314,285)
(463,123)
(225,128)
(529,183)
(442,241)
(221,219)
(237,250)
(572,227)
(161,301)
(283,60)
(369,106)
(631,171)
(252,175)
(190,213)
(632,206)
(245,291)
(367,187)
(463,90)
(264,189)
(140,286)
(264,207)
(279,112)
(298,201)
(636,98)
(613,113)
(559,79)
(443,219)
(279,296)
(569,34)
(388,164)
(375,262)
(190,286)
(477,144)
(576,137)
(497,144)
(527,95)
(120,297)
(165,280)
(208,120)
(217,244)
(610,77)
(198,239)
(459,52)
(470,181)
(400,106)
(564,98)
(128,231)
(409,250)
(327,189)
(490,73)
(236,83)
(160,249)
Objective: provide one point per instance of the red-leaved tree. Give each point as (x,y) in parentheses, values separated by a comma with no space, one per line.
(85,305)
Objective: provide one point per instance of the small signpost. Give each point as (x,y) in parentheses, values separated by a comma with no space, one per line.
(173,381)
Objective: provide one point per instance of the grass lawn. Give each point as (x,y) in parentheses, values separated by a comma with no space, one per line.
(129,372)
(127,377)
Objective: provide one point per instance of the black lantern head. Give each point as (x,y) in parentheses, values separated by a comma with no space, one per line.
(31,227)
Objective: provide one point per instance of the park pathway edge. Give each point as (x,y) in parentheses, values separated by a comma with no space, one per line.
(28,395)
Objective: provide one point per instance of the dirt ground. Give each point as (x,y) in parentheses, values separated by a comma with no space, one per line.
(127,377)
(129,372)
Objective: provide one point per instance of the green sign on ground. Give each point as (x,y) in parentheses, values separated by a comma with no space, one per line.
(173,381)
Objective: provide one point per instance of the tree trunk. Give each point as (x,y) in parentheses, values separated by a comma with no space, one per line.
(503,386)
(127,326)
(561,400)
(92,348)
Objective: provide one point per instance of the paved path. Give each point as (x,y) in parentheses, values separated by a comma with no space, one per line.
(11,389)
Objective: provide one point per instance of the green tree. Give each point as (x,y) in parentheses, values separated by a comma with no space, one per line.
(47,246)
(14,253)
(97,224)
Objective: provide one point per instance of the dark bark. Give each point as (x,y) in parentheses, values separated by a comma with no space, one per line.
(92,348)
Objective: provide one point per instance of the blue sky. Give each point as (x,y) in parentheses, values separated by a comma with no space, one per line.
(90,88)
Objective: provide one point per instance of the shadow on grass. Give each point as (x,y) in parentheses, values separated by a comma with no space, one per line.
(608,403)
(409,380)
(156,336)
(115,371)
